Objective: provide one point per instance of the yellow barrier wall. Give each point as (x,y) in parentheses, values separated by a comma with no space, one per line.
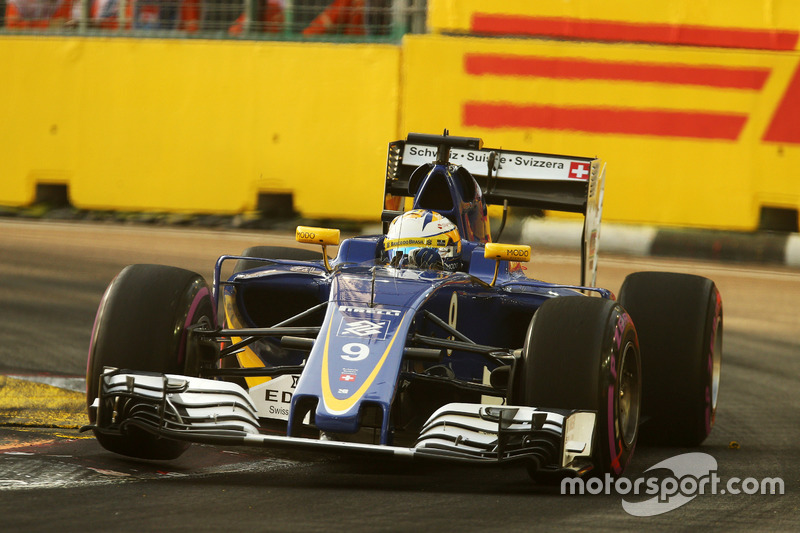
(462,16)
(699,127)
(709,168)
(197,126)
(731,68)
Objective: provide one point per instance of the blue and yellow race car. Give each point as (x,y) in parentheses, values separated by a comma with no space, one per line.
(426,341)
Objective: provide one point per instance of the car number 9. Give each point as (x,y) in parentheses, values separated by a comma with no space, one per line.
(355,351)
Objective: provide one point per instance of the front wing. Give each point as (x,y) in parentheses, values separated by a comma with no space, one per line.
(217,412)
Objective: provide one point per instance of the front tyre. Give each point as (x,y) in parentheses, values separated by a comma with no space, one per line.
(679,321)
(583,353)
(141,325)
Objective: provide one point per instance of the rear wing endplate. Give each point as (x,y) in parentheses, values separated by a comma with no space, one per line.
(511,178)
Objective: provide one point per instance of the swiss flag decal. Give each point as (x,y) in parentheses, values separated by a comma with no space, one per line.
(578,170)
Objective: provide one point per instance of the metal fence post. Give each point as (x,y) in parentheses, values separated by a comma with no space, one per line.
(418,16)
(288,17)
(249,17)
(83,21)
(399,11)
(122,16)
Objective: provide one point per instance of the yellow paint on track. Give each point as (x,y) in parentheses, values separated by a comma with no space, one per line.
(27,403)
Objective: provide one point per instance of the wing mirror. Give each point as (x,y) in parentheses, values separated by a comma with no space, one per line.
(505,252)
(322,236)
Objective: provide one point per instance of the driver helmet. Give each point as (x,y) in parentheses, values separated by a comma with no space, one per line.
(424,239)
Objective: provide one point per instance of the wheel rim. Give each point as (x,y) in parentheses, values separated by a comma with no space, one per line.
(716,362)
(629,395)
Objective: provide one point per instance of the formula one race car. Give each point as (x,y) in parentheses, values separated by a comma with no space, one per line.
(425,341)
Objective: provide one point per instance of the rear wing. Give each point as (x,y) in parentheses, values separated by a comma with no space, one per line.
(509,178)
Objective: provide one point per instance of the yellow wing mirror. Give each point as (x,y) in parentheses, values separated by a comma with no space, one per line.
(505,252)
(322,236)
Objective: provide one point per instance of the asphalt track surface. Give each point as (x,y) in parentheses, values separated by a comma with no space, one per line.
(53,478)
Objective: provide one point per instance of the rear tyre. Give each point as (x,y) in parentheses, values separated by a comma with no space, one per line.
(274,252)
(141,325)
(679,321)
(582,353)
